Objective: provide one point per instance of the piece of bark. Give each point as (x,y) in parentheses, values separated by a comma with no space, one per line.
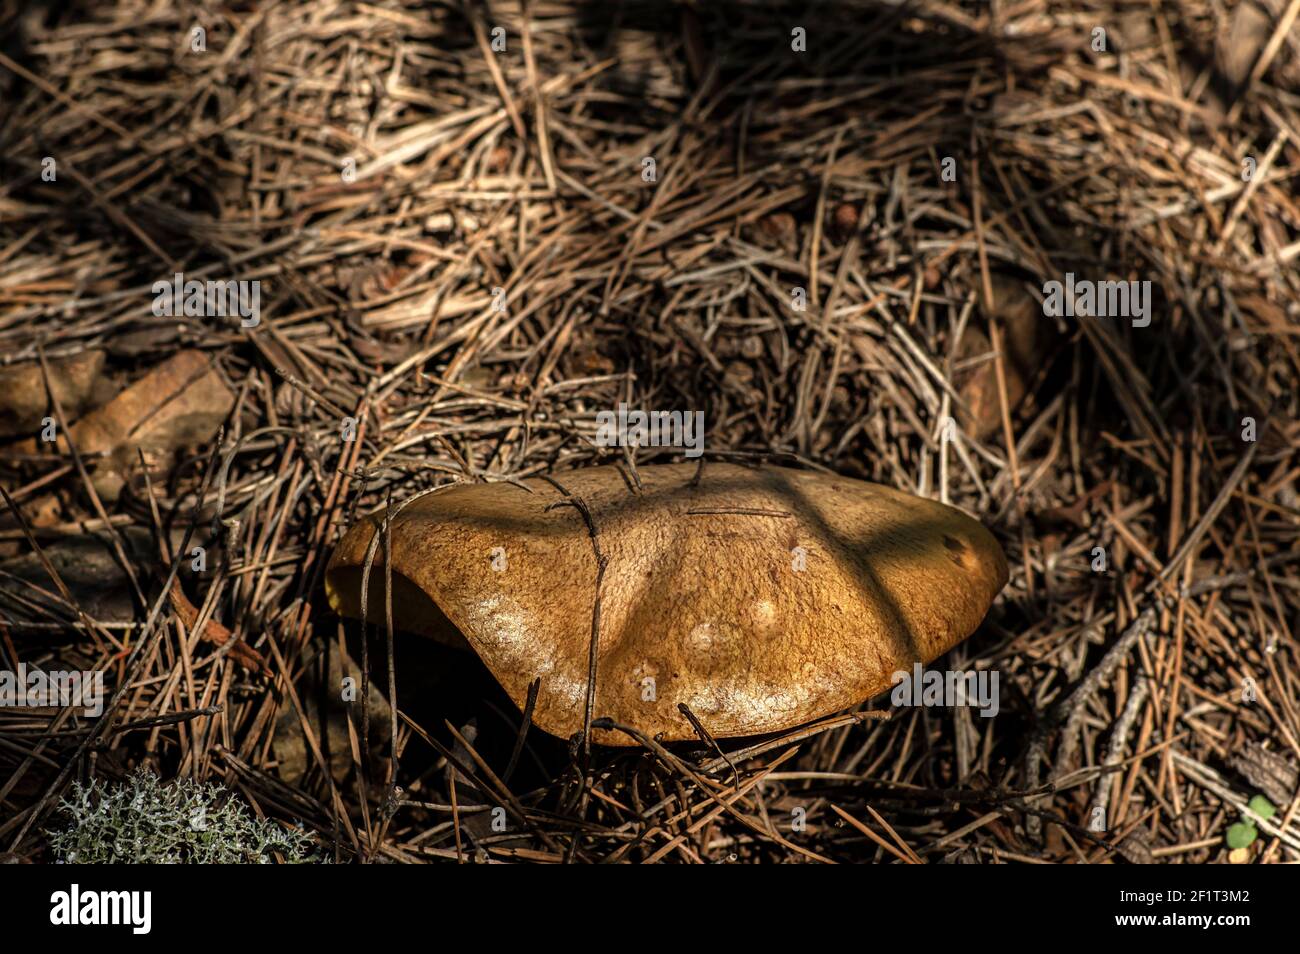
(24,401)
(1027,338)
(181,402)
(326,701)
(1272,774)
(215,633)
(88,566)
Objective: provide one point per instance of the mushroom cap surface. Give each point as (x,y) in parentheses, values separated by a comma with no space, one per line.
(762,598)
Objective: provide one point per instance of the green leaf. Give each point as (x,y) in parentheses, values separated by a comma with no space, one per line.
(1262,807)
(1241,835)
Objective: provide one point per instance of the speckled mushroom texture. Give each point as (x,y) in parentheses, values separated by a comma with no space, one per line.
(760,597)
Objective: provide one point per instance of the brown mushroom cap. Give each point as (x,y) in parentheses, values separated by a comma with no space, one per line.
(701,591)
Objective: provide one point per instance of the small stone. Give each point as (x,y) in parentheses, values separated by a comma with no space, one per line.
(844,222)
(499,159)
(779,228)
(738,374)
(439,223)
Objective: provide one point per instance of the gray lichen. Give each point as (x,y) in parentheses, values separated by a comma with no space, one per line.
(146,821)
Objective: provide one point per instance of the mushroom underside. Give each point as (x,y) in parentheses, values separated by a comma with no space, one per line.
(414,610)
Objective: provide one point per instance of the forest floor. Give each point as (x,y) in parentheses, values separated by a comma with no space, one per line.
(832,227)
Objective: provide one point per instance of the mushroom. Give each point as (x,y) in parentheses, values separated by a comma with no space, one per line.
(760,598)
